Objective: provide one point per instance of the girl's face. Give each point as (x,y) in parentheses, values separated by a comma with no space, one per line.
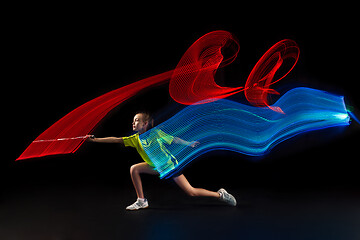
(139,125)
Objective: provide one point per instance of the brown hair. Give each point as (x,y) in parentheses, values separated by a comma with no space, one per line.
(147,118)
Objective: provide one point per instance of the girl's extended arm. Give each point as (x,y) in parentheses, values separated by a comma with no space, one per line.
(183,142)
(106,140)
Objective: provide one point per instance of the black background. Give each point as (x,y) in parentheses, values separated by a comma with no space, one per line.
(60,58)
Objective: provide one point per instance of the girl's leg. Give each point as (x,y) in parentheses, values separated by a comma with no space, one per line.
(135,171)
(184,184)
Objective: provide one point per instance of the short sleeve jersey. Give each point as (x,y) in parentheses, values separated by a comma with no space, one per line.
(134,141)
(161,138)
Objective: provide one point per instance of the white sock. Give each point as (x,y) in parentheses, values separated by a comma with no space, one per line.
(141,199)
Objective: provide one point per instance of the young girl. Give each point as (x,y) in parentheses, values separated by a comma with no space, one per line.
(141,123)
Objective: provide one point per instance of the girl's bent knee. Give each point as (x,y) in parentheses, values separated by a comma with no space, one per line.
(133,169)
(191,192)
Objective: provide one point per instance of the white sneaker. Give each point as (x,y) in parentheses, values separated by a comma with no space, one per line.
(227,197)
(138,204)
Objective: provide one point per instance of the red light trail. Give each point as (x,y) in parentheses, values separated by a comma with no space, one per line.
(191,81)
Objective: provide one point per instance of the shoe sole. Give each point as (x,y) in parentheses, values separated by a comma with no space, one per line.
(136,209)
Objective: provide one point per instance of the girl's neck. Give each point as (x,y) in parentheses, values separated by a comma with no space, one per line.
(141,132)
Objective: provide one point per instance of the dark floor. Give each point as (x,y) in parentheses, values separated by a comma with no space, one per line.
(98,212)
